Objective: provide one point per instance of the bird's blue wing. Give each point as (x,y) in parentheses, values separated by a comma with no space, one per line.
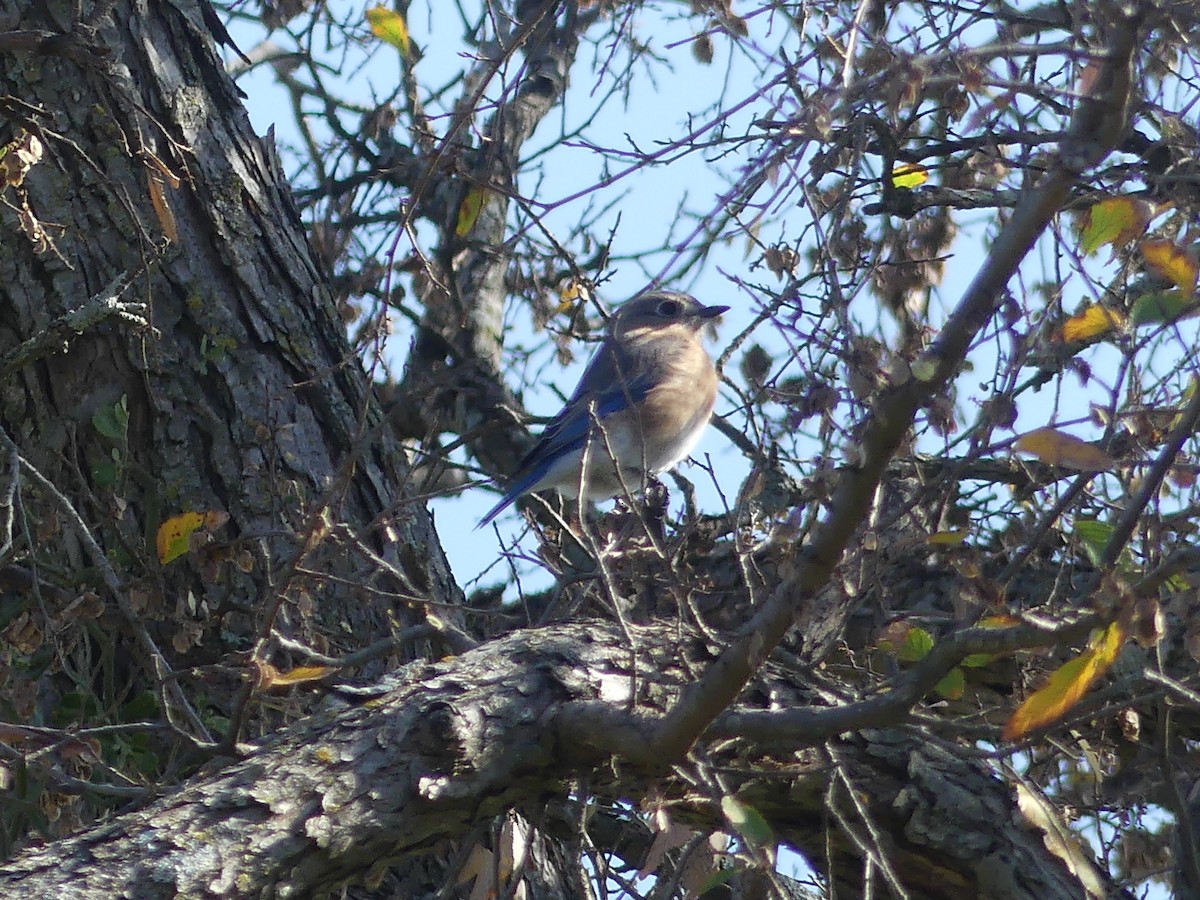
(602,391)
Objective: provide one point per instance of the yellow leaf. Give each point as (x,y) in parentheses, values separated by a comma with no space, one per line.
(1173,263)
(909,175)
(999,621)
(1115,221)
(173,534)
(298,675)
(1156,306)
(470,208)
(949,538)
(1067,684)
(1091,323)
(389,26)
(574,291)
(1060,449)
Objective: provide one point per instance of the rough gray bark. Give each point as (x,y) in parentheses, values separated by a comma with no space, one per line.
(452,744)
(243,394)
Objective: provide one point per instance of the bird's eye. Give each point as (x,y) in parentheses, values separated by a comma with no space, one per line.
(670,308)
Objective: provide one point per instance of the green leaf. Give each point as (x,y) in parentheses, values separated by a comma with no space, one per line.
(1160,306)
(924,370)
(716,879)
(1115,221)
(1094,536)
(113,421)
(105,474)
(142,706)
(953,685)
(917,644)
(470,208)
(978,660)
(748,822)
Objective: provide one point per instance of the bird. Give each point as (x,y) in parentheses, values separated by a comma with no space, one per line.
(642,404)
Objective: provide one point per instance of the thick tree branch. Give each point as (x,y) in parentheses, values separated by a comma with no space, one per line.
(445,746)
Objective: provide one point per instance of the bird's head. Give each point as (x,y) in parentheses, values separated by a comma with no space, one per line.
(662,309)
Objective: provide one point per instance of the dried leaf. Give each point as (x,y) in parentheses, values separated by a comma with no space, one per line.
(162,209)
(702,864)
(514,844)
(1130,723)
(23,634)
(298,675)
(1149,622)
(479,859)
(780,260)
(1003,621)
(667,839)
(1060,449)
(1060,840)
(162,168)
(33,229)
(1067,684)
(18,156)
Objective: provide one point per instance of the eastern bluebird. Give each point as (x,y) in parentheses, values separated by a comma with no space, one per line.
(639,408)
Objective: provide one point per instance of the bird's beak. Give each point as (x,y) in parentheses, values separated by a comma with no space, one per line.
(711,312)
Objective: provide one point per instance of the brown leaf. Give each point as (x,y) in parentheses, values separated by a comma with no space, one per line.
(18,156)
(162,209)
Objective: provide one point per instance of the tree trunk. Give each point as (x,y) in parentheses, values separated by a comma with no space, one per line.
(240,390)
